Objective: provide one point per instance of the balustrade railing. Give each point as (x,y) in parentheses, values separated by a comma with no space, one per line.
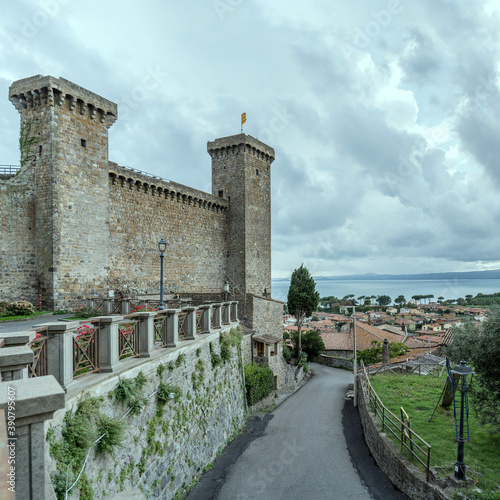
(69,350)
(199,324)
(160,327)
(128,339)
(86,350)
(182,325)
(39,346)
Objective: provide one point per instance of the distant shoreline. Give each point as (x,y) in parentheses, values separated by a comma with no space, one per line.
(493,274)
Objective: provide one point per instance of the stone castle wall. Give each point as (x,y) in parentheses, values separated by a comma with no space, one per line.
(17,234)
(193,223)
(95,225)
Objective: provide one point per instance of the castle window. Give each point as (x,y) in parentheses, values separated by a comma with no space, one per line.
(221,194)
(83,143)
(229,198)
(256,171)
(40,150)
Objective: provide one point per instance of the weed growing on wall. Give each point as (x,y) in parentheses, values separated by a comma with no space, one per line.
(130,393)
(79,433)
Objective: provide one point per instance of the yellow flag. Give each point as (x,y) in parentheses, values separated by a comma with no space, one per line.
(243,118)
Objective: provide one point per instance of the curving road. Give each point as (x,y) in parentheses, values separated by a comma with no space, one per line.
(299,452)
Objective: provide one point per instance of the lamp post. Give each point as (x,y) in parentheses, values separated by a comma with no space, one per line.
(463,370)
(162,246)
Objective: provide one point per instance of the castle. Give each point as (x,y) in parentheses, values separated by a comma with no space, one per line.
(74,224)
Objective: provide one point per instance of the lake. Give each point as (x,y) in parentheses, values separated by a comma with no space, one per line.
(449,289)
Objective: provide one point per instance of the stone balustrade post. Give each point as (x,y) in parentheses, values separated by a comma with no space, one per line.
(226,311)
(14,339)
(36,400)
(190,322)
(109,349)
(234,311)
(125,307)
(60,346)
(172,326)
(91,303)
(146,333)
(14,362)
(108,307)
(206,314)
(217,316)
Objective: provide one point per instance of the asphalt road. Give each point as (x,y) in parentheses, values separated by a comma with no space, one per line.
(309,448)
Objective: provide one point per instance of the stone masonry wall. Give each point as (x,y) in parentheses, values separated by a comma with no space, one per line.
(194,224)
(18,273)
(163,452)
(401,472)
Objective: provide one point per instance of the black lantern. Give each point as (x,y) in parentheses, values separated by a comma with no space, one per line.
(162,246)
(463,386)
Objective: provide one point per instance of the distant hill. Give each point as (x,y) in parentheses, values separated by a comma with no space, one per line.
(494,274)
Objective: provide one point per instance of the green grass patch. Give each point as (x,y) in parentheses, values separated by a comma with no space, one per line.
(24,316)
(418,395)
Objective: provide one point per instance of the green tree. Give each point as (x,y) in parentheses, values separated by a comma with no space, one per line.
(383,300)
(302,299)
(400,300)
(312,344)
(480,347)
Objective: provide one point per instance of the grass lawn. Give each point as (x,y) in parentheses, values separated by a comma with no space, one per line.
(26,316)
(418,395)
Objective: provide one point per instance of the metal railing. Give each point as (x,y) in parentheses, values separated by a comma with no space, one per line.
(40,348)
(182,326)
(160,326)
(86,350)
(128,339)
(408,438)
(9,169)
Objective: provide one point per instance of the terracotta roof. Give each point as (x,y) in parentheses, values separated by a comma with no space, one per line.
(340,341)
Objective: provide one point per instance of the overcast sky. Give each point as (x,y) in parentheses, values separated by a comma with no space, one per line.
(384,115)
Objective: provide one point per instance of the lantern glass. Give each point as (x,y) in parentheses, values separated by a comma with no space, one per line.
(162,245)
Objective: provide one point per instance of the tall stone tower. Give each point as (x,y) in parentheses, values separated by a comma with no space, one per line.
(70,178)
(241,174)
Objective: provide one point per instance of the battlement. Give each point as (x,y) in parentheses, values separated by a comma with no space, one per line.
(235,144)
(41,91)
(162,188)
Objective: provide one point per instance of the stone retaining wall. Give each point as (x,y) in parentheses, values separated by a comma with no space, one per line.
(402,474)
(163,454)
(334,361)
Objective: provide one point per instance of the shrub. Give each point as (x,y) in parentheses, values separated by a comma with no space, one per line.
(20,308)
(312,343)
(3,307)
(86,312)
(259,382)
(287,353)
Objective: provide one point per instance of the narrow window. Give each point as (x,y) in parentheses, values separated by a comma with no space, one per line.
(256,171)
(221,194)
(40,150)
(83,143)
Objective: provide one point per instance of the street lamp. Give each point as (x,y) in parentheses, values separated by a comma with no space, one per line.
(462,370)
(162,246)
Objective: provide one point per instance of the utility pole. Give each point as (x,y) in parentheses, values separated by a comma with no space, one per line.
(355,357)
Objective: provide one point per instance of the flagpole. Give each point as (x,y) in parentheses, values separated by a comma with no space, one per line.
(243,120)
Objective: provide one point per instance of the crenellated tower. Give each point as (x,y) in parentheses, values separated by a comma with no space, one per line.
(70,176)
(241,174)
